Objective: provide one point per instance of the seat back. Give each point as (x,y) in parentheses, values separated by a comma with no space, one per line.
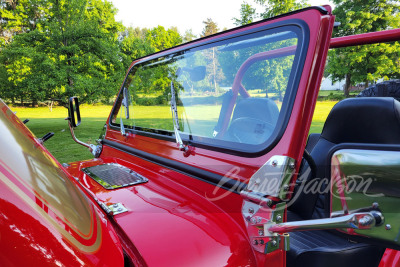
(369,120)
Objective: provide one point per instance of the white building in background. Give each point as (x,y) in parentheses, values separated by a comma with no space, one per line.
(326,84)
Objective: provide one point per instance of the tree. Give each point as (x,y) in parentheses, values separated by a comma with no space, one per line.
(213,70)
(210,27)
(188,36)
(247,15)
(277,7)
(73,50)
(272,75)
(161,39)
(369,62)
(18,17)
(134,45)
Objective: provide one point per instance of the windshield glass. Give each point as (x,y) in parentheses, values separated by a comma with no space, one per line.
(229,93)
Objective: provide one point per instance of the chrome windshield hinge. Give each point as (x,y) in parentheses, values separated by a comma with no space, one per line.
(264,206)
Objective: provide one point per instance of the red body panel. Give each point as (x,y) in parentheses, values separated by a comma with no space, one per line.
(45,219)
(391,258)
(169,224)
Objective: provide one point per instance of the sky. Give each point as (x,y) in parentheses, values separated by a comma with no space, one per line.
(184,14)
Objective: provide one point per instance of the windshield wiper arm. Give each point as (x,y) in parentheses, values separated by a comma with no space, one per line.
(175,120)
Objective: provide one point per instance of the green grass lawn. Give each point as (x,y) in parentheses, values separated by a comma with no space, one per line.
(322,110)
(65,149)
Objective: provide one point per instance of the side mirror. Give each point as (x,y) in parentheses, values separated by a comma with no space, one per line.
(74,119)
(74,115)
(367,180)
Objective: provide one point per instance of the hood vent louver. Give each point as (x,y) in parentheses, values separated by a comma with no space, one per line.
(113,175)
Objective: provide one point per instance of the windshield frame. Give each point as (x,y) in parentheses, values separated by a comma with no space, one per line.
(248,150)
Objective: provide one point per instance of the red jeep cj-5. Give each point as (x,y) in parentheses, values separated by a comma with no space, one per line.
(232,178)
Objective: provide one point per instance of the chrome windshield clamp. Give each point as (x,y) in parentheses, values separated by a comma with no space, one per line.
(273,178)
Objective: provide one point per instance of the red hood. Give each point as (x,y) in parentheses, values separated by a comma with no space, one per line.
(44,214)
(171,225)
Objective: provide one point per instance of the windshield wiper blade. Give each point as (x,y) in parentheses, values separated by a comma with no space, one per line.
(175,119)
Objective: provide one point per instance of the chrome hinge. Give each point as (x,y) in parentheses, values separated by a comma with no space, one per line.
(258,220)
(112,209)
(259,211)
(117,208)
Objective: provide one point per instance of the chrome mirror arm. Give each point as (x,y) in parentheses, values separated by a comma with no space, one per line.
(95,150)
(362,220)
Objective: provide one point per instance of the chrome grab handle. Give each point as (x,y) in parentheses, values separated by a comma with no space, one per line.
(362,220)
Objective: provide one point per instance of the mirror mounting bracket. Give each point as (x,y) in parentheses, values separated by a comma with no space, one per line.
(94,149)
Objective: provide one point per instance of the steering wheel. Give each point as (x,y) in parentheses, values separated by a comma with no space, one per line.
(250,130)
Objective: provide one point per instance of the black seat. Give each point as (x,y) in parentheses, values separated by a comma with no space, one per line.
(360,121)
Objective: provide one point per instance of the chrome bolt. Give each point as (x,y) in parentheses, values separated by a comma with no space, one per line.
(260,232)
(292,165)
(259,219)
(115,206)
(253,220)
(274,163)
(286,188)
(269,202)
(120,209)
(274,243)
(278,218)
(366,220)
(375,205)
(251,210)
(255,242)
(388,227)
(261,242)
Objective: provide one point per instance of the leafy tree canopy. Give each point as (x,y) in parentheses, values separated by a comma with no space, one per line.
(274,8)
(210,27)
(247,14)
(366,63)
(53,49)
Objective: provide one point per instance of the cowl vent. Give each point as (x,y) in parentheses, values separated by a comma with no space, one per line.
(113,175)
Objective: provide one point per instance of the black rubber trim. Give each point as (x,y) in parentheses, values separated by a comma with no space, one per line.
(200,174)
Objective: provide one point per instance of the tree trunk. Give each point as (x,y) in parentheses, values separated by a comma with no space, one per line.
(346,88)
(366,84)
